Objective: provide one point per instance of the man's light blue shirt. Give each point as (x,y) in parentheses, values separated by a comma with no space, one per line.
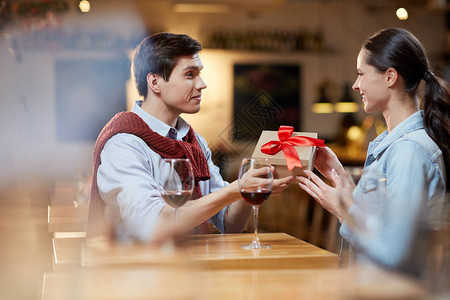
(128,179)
(413,168)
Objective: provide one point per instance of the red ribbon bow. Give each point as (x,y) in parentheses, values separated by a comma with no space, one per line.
(287,143)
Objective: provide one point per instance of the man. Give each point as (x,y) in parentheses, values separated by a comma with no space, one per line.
(130,148)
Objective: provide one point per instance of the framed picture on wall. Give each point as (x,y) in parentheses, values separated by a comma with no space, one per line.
(265,97)
(89,92)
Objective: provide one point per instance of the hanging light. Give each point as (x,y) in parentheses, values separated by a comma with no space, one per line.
(347,103)
(402,13)
(323,104)
(84,6)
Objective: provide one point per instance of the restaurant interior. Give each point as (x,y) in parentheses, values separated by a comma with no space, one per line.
(65,71)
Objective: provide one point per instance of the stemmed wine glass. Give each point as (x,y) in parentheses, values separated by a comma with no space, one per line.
(255,183)
(355,173)
(177,182)
(345,251)
(370,202)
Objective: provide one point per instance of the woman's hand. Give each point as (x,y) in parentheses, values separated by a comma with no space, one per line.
(337,200)
(326,161)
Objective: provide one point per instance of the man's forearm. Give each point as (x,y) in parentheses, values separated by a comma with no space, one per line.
(237,216)
(204,208)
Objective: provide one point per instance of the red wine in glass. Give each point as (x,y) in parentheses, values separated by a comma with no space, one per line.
(255,183)
(176,185)
(176,199)
(176,182)
(257,197)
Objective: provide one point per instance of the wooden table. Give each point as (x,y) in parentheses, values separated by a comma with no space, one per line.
(66,252)
(225,252)
(67,218)
(148,282)
(215,267)
(216,252)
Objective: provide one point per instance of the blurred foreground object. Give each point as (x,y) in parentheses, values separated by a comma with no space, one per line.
(193,283)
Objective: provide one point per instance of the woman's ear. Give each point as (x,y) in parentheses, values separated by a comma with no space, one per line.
(391,76)
(153,82)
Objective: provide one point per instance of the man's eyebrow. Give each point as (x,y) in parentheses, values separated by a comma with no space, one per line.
(193,68)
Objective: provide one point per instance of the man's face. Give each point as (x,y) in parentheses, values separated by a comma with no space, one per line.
(182,93)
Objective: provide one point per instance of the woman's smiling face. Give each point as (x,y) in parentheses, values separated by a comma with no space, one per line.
(371,84)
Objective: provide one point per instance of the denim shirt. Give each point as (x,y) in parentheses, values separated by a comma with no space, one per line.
(411,168)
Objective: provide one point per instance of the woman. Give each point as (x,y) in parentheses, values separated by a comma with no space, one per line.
(412,154)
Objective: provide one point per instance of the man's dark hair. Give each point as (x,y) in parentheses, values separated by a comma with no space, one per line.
(158,54)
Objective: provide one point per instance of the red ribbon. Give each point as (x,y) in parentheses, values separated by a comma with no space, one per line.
(287,143)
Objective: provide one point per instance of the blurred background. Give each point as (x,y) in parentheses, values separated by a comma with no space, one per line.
(65,71)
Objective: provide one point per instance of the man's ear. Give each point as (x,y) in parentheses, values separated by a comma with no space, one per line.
(391,76)
(153,82)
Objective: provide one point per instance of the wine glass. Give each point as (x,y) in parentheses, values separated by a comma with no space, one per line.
(345,251)
(255,183)
(176,182)
(355,173)
(370,198)
(370,202)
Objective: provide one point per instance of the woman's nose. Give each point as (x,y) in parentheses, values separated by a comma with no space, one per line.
(355,85)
